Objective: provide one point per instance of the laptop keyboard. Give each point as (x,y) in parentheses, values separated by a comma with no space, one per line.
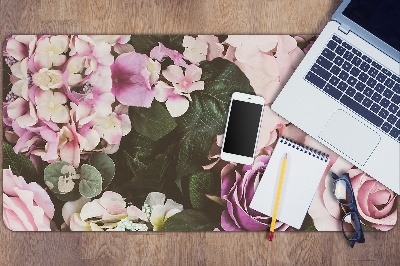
(360,83)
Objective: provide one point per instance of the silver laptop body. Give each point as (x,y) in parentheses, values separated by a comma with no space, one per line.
(345,93)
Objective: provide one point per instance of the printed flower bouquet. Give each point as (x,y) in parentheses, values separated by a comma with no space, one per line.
(123,133)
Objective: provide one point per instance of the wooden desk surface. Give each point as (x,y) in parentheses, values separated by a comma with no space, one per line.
(179,16)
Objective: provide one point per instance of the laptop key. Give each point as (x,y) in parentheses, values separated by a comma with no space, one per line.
(367,102)
(328,54)
(386,71)
(360,86)
(314,79)
(355,71)
(398,123)
(371,82)
(364,66)
(335,70)
(338,60)
(356,52)
(376,65)
(386,127)
(317,69)
(394,132)
(337,39)
(393,108)
(396,88)
(334,80)
(389,82)
(396,99)
(350,91)
(366,58)
(368,91)
(383,113)
(340,50)
(332,44)
(322,61)
(332,91)
(343,75)
(342,86)
(351,81)
(346,66)
(361,110)
(391,119)
(373,72)
(348,55)
(385,102)
(396,78)
(346,45)
(375,108)
(376,97)
(356,61)
(379,88)
(363,77)
(359,97)
(388,93)
(381,77)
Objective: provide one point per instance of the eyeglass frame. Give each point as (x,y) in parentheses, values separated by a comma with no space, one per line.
(358,235)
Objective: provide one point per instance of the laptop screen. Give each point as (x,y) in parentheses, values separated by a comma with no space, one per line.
(379,17)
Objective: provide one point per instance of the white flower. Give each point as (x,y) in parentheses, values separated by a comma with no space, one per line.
(155,210)
(47,79)
(195,49)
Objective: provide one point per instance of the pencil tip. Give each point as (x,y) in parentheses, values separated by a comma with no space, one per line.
(271,235)
(285,155)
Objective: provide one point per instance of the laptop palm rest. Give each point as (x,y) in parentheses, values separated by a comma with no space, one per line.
(350,136)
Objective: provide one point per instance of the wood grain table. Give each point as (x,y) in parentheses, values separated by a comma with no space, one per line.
(181,17)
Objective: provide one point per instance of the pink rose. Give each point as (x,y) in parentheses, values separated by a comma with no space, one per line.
(26,207)
(376,204)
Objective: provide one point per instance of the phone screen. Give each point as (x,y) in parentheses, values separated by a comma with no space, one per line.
(241,133)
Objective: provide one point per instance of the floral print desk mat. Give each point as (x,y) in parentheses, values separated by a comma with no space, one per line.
(123,133)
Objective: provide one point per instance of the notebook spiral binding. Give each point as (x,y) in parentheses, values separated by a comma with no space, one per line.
(305,149)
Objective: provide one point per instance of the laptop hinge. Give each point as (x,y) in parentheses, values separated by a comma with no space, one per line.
(344,29)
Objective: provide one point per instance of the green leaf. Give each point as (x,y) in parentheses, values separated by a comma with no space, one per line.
(91,183)
(145,43)
(193,152)
(209,108)
(105,166)
(189,221)
(19,164)
(207,112)
(154,122)
(200,184)
(52,174)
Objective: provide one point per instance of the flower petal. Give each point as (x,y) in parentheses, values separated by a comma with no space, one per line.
(173,73)
(177,105)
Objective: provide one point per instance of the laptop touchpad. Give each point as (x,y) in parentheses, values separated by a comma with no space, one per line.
(350,136)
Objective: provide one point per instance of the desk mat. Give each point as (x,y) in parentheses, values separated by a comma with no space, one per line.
(123,133)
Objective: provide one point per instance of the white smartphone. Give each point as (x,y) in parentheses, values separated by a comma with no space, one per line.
(242,128)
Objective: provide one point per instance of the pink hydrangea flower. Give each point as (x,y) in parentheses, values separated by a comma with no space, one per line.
(20,79)
(215,48)
(176,104)
(50,106)
(21,46)
(23,112)
(128,84)
(160,51)
(47,79)
(49,51)
(249,46)
(26,206)
(184,83)
(195,49)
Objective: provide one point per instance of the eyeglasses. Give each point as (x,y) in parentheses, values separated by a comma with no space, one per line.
(346,198)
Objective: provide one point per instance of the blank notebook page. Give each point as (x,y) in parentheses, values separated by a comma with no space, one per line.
(304,170)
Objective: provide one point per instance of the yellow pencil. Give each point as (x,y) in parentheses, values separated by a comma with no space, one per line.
(278,197)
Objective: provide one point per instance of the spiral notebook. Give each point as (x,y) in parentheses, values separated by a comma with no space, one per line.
(304,170)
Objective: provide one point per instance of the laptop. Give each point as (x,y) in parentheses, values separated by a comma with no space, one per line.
(346,91)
